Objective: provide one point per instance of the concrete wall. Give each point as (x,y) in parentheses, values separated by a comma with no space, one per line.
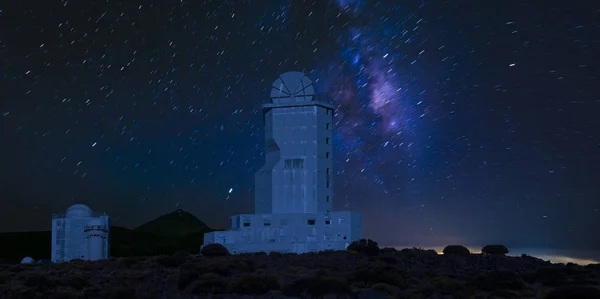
(298,233)
(69,241)
(298,171)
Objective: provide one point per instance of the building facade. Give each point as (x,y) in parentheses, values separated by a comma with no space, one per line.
(80,233)
(294,189)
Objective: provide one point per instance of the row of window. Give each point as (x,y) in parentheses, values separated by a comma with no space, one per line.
(284,222)
(299,163)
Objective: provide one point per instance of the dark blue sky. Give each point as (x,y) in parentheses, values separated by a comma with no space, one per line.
(458,122)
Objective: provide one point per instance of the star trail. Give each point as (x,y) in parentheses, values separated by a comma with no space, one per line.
(456,122)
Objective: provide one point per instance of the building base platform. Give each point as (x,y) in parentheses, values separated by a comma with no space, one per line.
(298,233)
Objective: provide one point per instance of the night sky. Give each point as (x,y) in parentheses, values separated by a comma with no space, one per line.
(458,122)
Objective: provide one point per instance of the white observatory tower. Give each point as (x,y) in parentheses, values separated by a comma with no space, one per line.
(80,234)
(96,234)
(294,189)
(296,177)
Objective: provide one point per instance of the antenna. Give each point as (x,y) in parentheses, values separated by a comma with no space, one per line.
(292,87)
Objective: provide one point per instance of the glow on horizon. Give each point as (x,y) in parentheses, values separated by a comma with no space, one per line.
(554,258)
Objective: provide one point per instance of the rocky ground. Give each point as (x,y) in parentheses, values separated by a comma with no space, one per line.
(408,273)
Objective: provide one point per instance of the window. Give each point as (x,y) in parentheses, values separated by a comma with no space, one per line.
(327,198)
(311,221)
(327,126)
(327,184)
(327,140)
(327,155)
(246,224)
(327,170)
(327,222)
(294,163)
(266,222)
(298,163)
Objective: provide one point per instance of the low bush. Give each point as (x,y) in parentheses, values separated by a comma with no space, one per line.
(210,283)
(494,250)
(253,284)
(365,246)
(170,261)
(186,277)
(214,249)
(574,292)
(317,287)
(456,250)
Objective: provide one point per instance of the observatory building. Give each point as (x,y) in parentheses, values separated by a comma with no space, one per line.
(293,200)
(80,233)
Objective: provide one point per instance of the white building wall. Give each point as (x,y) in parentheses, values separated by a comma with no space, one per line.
(58,240)
(96,249)
(298,233)
(69,241)
(76,243)
(97,237)
(297,174)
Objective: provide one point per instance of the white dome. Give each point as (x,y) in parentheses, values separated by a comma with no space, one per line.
(78,211)
(27,260)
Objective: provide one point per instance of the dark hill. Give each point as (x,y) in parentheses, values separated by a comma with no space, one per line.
(177,223)
(164,235)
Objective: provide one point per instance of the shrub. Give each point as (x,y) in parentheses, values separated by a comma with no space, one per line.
(118,292)
(448,285)
(385,288)
(222,269)
(552,277)
(389,259)
(76,282)
(66,294)
(40,281)
(253,284)
(574,292)
(388,250)
(456,250)
(126,262)
(182,253)
(365,246)
(186,277)
(214,249)
(494,249)
(210,283)
(369,275)
(317,286)
(169,261)
(499,280)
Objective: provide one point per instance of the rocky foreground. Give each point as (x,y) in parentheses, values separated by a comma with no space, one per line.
(409,273)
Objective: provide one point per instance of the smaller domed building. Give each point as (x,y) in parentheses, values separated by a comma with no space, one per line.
(27,260)
(80,233)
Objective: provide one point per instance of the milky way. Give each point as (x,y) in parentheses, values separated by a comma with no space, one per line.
(379,104)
